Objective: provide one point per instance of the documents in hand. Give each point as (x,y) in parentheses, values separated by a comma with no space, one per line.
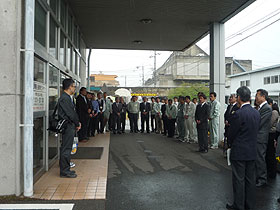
(228,157)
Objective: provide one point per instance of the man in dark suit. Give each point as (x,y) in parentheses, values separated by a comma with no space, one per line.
(201,117)
(117,109)
(243,141)
(66,111)
(231,109)
(263,133)
(123,114)
(145,109)
(100,118)
(83,112)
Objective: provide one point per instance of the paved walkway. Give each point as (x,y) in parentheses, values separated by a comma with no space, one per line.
(152,172)
(90,183)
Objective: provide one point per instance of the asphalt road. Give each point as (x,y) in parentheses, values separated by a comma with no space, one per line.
(152,172)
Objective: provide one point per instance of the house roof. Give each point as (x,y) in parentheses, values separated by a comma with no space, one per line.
(256,71)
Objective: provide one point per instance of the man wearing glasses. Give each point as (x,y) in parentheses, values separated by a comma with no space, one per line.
(66,111)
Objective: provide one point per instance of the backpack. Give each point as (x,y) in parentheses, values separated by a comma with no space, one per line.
(55,125)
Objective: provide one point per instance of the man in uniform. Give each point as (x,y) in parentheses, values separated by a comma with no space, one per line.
(189,120)
(171,113)
(153,115)
(157,110)
(133,108)
(117,109)
(214,120)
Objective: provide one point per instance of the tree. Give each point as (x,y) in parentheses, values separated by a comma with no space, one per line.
(189,89)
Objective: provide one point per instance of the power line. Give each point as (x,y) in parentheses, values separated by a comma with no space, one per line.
(256,23)
(253,34)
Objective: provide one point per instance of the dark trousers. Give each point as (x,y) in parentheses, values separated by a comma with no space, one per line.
(171,127)
(244,184)
(100,123)
(66,148)
(202,136)
(165,125)
(89,130)
(82,134)
(111,122)
(261,171)
(145,119)
(116,123)
(271,163)
(153,122)
(133,122)
(93,125)
(123,118)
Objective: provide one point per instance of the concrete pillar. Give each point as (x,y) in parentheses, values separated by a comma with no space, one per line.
(217,67)
(10,97)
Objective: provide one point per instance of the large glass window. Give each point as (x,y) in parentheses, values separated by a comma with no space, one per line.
(63,13)
(76,36)
(70,18)
(53,98)
(74,61)
(40,24)
(62,57)
(69,56)
(53,5)
(53,38)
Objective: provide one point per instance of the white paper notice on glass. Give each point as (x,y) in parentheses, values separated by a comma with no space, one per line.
(228,157)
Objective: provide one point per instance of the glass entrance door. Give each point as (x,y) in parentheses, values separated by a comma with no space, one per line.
(53,98)
(39,114)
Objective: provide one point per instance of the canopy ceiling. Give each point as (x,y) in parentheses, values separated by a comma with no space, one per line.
(176,24)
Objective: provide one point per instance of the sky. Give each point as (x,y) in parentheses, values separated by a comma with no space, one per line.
(263,47)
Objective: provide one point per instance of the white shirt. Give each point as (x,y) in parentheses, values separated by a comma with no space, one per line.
(84,98)
(203,104)
(244,104)
(263,103)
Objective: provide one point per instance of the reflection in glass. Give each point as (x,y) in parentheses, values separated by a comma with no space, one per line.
(53,38)
(69,56)
(53,98)
(62,57)
(63,13)
(38,137)
(40,24)
(38,70)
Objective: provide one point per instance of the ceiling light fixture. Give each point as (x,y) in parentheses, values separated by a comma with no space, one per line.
(137,41)
(146,21)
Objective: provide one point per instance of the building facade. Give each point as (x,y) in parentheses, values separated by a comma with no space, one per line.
(99,80)
(192,66)
(267,78)
(60,53)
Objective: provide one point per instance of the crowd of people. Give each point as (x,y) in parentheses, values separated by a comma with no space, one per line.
(250,131)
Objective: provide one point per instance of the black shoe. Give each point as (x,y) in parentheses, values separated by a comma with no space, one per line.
(278,200)
(131,131)
(205,151)
(119,132)
(200,150)
(123,132)
(114,132)
(228,206)
(142,131)
(73,172)
(70,175)
(148,131)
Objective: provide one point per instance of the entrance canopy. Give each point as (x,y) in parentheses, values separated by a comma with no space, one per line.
(150,24)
